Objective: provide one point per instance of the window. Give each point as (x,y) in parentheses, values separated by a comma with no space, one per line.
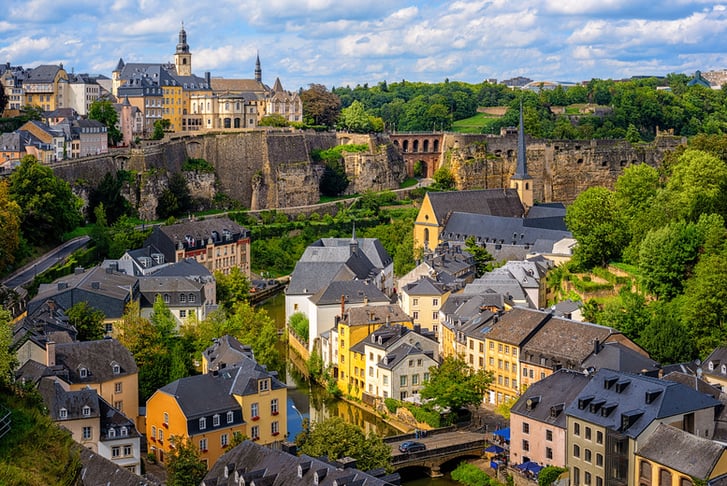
(586,478)
(182,298)
(419,362)
(191,298)
(203,445)
(83,372)
(216,420)
(124,431)
(153,432)
(109,327)
(514,384)
(274,406)
(254,412)
(415,315)
(599,460)
(549,453)
(526,445)
(264,385)
(499,364)
(202,423)
(86,411)
(275,428)
(63,414)
(402,380)
(223,440)
(576,476)
(166,418)
(507,349)
(499,348)
(87,433)
(119,405)
(549,435)
(588,433)
(166,298)
(492,361)
(526,428)
(587,455)
(426,376)
(116,451)
(577,429)
(414,379)
(435,302)
(182,313)
(482,347)
(118,387)
(161,436)
(255,432)
(386,379)
(415,302)
(435,315)
(230,417)
(599,481)
(371,371)
(599,437)
(576,450)
(116,369)
(128,450)
(112,432)
(492,345)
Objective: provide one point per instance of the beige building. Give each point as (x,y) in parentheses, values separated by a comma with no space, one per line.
(422,300)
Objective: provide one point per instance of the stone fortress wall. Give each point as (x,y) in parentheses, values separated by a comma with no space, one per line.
(265,169)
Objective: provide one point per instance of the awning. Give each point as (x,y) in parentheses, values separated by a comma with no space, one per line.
(504,433)
(495,449)
(531,466)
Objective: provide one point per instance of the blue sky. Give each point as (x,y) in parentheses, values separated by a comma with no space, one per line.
(350,42)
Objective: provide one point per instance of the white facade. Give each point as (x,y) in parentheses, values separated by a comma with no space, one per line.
(123,451)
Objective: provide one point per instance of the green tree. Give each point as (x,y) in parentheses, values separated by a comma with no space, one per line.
(665,337)
(232,288)
(354,118)
(298,322)
(444,179)
(470,475)
(334,180)
(335,438)
(320,106)
(697,185)
(10,217)
(176,199)
(48,206)
(104,112)
(629,314)
(634,197)
(184,465)
(8,359)
(88,321)
(3,99)
(455,385)
(550,474)
(159,127)
(274,120)
(598,227)
(483,258)
(108,193)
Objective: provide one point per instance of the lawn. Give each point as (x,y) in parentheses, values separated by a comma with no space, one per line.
(474,124)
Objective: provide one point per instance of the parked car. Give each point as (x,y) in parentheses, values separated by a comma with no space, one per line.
(411,446)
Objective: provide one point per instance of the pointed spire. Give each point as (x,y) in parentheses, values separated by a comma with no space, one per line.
(258,69)
(182,46)
(521,170)
(353,235)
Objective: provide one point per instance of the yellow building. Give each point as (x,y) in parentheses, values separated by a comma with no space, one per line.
(355,325)
(422,300)
(41,87)
(209,409)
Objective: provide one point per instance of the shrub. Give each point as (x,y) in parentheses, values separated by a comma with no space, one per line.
(391,404)
(470,475)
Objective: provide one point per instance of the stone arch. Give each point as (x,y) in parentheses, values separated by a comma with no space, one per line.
(415,147)
(237,123)
(405,146)
(436,145)
(425,145)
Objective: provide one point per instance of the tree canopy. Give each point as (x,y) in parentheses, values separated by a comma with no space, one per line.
(455,385)
(88,321)
(335,438)
(320,106)
(48,206)
(104,112)
(184,465)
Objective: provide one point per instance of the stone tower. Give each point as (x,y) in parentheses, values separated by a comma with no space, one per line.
(520,180)
(183,58)
(258,70)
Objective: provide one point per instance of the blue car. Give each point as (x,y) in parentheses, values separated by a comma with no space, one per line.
(411,446)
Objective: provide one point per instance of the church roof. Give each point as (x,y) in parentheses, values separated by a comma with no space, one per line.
(495,202)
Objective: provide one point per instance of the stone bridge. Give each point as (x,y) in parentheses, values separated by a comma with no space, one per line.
(424,147)
(443,446)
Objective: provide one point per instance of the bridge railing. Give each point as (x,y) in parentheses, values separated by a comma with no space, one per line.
(413,435)
(439,451)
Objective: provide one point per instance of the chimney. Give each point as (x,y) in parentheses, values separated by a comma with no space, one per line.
(343,305)
(50,353)
(596,346)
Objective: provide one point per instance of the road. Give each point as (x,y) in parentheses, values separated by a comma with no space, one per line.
(27,273)
(446,439)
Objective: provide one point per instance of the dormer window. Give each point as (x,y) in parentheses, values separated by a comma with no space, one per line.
(202,423)
(83,372)
(230,417)
(723,369)
(263,385)
(112,432)
(86,411)
(711,366)
(584,401)
(63,414)
(124,431)
(116,368)
(216,420)
(555,410)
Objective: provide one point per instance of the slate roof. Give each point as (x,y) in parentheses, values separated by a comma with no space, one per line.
(460,309)
(225,351)
(45,73)
(505,230)
(238,85)
(717,359)
(496,202)
(616,356)
(194,234)
(396,356)
(201,395)
(563,342)
(550,397)
(687,453)
(189,267)
(518,325)
(355,292)
(56,398)
(499,281)
(626,395)
(97,357)
(48,322)
(99,471)
(378,314)
(424,286)
(386,336)
(250,460)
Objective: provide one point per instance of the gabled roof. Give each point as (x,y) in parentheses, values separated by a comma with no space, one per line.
(546,399)
(247,373)
(47,322)
(238,85)
(278,468)
(512,230)
(226,351)
(396,356)
(634,401)
(353,291)
(425,286)
(687,453)
(518,325)
(99,471)
(45,73)
(616,356)
(98,358)
(375,314)
(495,202)
(73,402)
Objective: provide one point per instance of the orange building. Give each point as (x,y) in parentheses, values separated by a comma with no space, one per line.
(209,409)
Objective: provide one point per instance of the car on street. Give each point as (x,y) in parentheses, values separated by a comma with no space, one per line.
(411,446)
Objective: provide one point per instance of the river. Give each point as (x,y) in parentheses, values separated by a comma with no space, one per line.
(310,401)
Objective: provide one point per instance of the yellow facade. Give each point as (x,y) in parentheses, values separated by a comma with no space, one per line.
(448,342)
(650,473)
(352,365)
(424,309)
(122,393)
(426,226)
(165,419)
(46,95)
(174,106)
(270,426)
(502,360)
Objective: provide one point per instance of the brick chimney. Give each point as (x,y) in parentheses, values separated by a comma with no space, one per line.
(50,353)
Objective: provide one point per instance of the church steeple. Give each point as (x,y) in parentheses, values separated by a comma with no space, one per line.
(258,70)
(521,180)
(183,58)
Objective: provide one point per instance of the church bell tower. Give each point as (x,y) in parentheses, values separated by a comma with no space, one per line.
(183,58)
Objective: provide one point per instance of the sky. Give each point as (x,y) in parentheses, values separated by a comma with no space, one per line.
(355,42)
